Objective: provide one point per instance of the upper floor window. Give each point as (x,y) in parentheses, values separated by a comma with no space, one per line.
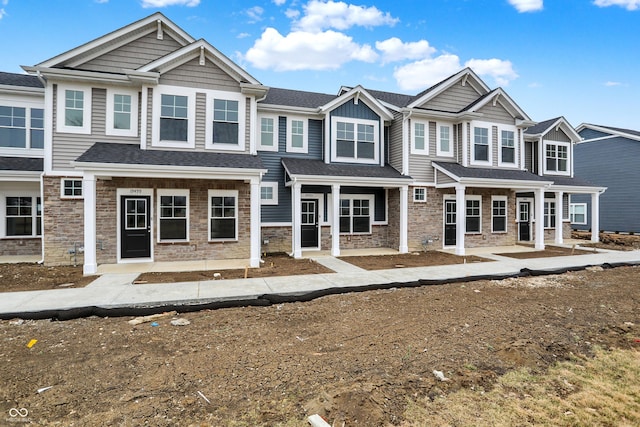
(355,140)
(420,137)
(122,112)
(174,118)
(444,140)
(481,152)
(74,110)
(297,135)
(268,134)
(225,121)
(557,157)
(15,131)
(507,147)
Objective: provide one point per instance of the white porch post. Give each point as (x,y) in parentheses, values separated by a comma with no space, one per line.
(89,193)
(460,219)
(595,217)
(559,209)
(335,220)
(404,216)
(296,219)
(255,229)
(539,201)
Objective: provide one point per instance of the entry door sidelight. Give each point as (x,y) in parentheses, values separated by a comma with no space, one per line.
(135,227)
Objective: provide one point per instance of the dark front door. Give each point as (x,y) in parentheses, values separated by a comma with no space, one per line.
(135,227)
(309,232)
(449,222)
(524,223)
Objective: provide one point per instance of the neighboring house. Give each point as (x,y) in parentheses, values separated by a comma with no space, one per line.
(21,163)
(157,147)
(608,156)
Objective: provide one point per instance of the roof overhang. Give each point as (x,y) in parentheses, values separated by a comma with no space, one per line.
(465,76)
(347,181)
(289,109)
(358,93)
(421,112)
(560,124)
(22,90)
(129,77)
(17,176)
(577,189)
(519,184)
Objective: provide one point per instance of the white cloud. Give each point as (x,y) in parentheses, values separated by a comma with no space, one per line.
(255,14)
(526,5)
(535,85)
(501,71)
(292,13)
(102,1)
(279,2)
(319,15)
(394,49)
(611,84)
(627,4)
(300,50)
(243,35)
(166,3)
(2,13)
(424,73)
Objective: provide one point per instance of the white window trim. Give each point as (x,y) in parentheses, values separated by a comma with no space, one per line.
(489,127)
(372,211)
(191,116)
(171,192)
(544,157)
(418,151)
(222,193)
(467,198)
(62,181)
(28,150)
(274,199)
(305,135)
(572,217)
(416,200)
(85,129)
(516,145)
(440,152)
(242,111)
(276,133)
(506,214)
(376,140)
(549,215)
(110,130)
(34,213)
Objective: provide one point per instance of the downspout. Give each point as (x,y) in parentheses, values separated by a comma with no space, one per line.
(41,217)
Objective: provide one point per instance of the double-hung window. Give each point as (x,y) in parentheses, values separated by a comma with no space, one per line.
(225,121)
(499,214)
(122,112)
(557,158)
(507,147)
(173,215)
(73,109)
(268,134)
(420,137)
(223,215)
(355,215)
(37,128)
(23,216)
(296,135)
(578,213)
(549,214)
(474,214)
(174,118)
(355,140)
(481,144)
(444,140)
(13,127)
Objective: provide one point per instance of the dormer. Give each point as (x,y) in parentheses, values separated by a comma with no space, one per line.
(549,147)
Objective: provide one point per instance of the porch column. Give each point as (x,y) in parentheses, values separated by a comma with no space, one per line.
(460,219)
(539,201)
(404,215)
(89,193)
(559,209)
(335,220)
(255,229)
(595,217)
(296,219)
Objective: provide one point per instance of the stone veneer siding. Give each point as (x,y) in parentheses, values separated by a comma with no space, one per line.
(63,225)
(20,246)
(279,239)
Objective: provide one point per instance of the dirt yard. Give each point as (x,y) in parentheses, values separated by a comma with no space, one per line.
(353,358)
(617,242)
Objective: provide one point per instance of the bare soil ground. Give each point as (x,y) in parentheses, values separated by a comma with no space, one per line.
(617,242)
(415,259)
(549,251)
(354,358)
(33,277)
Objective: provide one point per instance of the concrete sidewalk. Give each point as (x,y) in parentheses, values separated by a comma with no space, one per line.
(117,291)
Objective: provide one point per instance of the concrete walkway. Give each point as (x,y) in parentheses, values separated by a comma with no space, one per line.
(115,290)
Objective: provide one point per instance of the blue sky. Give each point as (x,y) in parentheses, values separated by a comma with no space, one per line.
(577,58)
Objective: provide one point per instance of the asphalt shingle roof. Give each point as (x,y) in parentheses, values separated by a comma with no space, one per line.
(573,182)
(24,80)
(296,98)
(130,154)
(491,173)
(621,130)
(27,164)
(540,127)
(312,167)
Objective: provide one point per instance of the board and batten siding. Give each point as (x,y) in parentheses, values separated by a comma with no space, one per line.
(556,135)
(133,55)
(67,147)
(272,161)
(453,99)
(356,111)
(192,74)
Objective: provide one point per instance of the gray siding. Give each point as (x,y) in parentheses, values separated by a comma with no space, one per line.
(133,55)
(453,99)
(444,179)
(395,142)
(208,76)
(612,163)
(359,111)
(201,120)
(592,134)
(496,114)
(556,135)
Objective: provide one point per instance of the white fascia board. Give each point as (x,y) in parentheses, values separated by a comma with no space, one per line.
(348,181)
(446,172)
(104,40)
(76,75)
(510,106)
(22,90)
(371,102)
(577,190)
(504,183)
(164,171)
(23,176)
(432,114)
(467,72)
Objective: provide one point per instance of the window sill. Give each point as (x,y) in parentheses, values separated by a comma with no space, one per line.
(223,241)
(20,237)
(174,242)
